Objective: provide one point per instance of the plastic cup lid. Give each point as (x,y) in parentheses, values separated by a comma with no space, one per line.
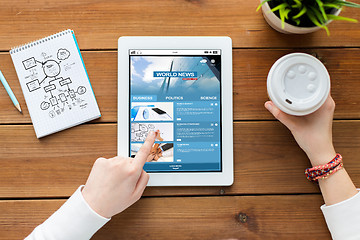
(298,84)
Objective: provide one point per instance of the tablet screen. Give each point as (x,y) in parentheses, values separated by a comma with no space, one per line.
(177,93)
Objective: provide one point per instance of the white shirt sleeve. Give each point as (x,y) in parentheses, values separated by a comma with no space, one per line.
(343,218)
(75,219)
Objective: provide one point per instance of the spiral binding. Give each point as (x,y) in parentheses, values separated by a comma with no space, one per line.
(39,41)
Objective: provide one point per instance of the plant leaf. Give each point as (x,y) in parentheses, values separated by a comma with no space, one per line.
(286,13)
(346,4)
(318,15)
(334,17)
(312,17)
(302,12)
(297,21)
(282,17)
(280,6)
(331,5)
(297,4)
(315,10)
(322,10)
(260,5)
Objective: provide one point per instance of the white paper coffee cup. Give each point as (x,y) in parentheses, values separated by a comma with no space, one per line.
(298,84)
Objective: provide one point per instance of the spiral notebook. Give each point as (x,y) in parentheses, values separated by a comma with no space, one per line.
(55,83)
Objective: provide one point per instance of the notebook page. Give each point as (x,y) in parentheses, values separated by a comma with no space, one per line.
(55,83)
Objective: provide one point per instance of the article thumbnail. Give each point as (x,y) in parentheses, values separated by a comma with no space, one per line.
(160,152)
(139,131)
(152,111)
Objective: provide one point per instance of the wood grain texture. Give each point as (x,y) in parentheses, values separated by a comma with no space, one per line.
(267,160)
(98,24)
(268,217)
(250,67)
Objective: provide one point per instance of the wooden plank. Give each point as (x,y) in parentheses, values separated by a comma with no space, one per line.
(251,68)
(99,24)
(267,160)
(268,217)
(249,83)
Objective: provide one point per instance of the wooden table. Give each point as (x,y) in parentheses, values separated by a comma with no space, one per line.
(270,198)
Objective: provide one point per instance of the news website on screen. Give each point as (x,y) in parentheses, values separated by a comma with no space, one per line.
(177,93)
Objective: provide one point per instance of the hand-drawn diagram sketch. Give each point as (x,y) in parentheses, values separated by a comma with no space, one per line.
(139,131)
(60,94)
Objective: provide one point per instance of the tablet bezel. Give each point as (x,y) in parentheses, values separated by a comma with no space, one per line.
(226,176)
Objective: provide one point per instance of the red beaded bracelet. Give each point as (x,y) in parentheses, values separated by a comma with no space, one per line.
(337,168)
(324,171)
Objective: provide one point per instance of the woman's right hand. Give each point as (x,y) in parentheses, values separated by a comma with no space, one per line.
(312,132)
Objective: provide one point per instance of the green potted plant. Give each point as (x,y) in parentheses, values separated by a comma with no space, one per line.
(303,16)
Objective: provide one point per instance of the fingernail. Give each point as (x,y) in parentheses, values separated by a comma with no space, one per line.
(152,133)
(268,106)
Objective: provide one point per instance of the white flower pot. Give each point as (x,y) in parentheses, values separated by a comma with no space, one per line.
(275,22)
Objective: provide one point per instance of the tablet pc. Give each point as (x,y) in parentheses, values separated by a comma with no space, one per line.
(181,87)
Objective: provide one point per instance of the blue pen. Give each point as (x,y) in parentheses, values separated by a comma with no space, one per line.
(10,92)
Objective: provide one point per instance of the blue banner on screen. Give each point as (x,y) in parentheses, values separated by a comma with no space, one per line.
(179,97)
(175,74)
